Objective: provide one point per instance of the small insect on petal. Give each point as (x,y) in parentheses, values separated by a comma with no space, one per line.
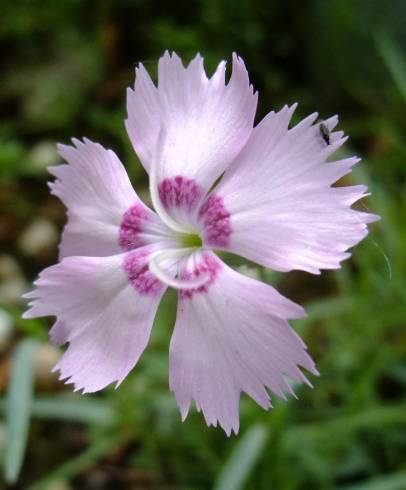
(325,133)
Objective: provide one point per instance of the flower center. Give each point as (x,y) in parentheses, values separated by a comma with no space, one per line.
(191,240)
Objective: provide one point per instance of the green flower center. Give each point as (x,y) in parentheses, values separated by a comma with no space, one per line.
(191,240)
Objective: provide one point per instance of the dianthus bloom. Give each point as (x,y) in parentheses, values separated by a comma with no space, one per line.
(274,204)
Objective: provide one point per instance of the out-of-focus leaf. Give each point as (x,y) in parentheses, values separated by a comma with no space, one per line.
(12,155)
(395,481)
(6,326)
(69,407)
(74,466)
(18,408)
(243,458)
(394,61)
(376,418)
(32,327)
(317,310)
(72,408)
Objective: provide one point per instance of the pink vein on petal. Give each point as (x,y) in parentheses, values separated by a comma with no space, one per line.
(143,281)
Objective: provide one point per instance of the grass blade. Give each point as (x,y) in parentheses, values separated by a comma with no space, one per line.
(18,408)
(395,481)
(394,60)
(242,459)
(79,463)
(72,408)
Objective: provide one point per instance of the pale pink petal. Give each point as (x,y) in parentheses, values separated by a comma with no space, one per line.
(105,308)
(232,336)
(205,123)
(277,204)
(97,193)
(59,333)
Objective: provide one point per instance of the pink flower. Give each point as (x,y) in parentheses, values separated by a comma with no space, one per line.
(274,205)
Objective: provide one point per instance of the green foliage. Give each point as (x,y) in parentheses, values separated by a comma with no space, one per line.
(64,73)
(242,459)
(18,405)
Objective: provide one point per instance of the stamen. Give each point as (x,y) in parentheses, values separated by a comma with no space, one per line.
(153,187)
(156,268)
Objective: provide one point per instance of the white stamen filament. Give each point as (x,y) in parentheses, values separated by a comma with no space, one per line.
(153,187)
(161,273)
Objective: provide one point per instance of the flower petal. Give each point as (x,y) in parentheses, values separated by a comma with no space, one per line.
(206,123)
(105,308)
(233,336)
(97,193)
(281,208)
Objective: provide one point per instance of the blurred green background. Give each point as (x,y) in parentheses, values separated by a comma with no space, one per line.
(65,66)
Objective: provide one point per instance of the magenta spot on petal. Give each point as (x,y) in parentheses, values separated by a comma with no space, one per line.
(180,192)
(215,222)
(132,226)
(143,281)
(208,265)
